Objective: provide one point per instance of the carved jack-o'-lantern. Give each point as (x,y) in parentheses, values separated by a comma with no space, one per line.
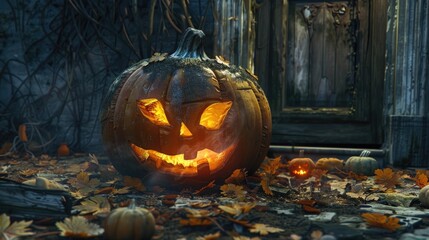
(186,117)
(301,167)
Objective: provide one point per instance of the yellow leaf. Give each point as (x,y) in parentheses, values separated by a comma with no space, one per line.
(213,236)
(238,208)
(14,230)
(233,191)
(381,221)
(78,227)
(96,205)
(264,229)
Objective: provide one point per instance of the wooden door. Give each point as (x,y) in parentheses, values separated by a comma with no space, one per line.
(322,66)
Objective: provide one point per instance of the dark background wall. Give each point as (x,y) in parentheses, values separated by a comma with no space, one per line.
(58,58)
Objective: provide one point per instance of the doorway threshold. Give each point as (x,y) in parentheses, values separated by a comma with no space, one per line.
(320,152)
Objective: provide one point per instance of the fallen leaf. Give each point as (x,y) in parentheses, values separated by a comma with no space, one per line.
(237,177)
(245,238)
(421,180)
(271,166)
(213,236)
(318,173)
(84,183)
(198,213)
(381,221)
(310,209)
(96,205)
(158,57)
(195,222)
(78,227)
(28,172)
(264,229)
(44,183)
(237,208)
(15,230)
(233,191)
(135,183)
(387,177)
(206,187)
(265,184)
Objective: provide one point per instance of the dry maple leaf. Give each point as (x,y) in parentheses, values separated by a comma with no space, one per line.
(264,229)
(265,184)
(14,230)
(270,167)
(195,222)
(135,183)
(387,177)
(198,213)
(84,183)
(245,238)
(213,236)
(421,180)
(233,191)
(238,208)
(381,221)
(78,227)
(237,177)
(96,205)
(158,57)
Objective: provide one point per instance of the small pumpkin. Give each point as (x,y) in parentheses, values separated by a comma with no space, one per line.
(330,164)
(301,167)
(130,222)
(424,196)
(361,165)
(186,118)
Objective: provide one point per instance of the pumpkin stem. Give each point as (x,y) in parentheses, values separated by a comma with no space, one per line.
(132,205)
(191,45)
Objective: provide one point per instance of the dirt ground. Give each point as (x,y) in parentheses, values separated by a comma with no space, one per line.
(270,204)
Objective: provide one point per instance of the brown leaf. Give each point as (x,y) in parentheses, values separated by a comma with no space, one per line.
(78,227)
(84,183)
(136,183)
(210,185)
(381,221)
(264,229)
(237,177)
(357,177)
(195,222)
(233,191)
(387,177)
(308,202)
(265,184)
(310,209)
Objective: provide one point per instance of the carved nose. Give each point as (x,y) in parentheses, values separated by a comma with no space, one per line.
(184,131)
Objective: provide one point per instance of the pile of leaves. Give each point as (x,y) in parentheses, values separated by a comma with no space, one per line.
(237,208)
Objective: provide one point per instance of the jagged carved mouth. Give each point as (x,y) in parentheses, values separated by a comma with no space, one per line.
(177,164)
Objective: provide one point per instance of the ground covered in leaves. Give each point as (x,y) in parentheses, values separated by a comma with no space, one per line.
(270,204)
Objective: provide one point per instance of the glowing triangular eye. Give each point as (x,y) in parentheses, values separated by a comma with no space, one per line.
(214,115)
(152,109)
(184,131)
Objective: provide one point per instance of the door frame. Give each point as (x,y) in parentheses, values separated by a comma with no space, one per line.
(310,127)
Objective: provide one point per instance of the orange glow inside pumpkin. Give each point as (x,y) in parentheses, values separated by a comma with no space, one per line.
(184,131)
(213,116)
(300,172)
(178,164)
(152,109)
